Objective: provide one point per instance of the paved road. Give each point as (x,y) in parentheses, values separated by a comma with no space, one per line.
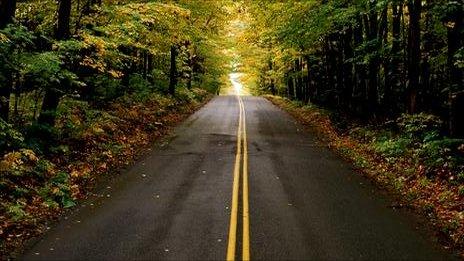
(305,203)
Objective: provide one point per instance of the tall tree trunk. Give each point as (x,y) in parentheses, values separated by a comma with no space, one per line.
(150,66)
(394,66)
(52,94)
(173,71)
(309,79)
(64,16)
(372,35)
(414,54)
(297,73)
(5,93)
(347,67)
(49,106)
(7,12)
(456,91)
(271,84)
(339,62)
(427,96)
(290,86)
(385,61)
(330,62)
(359,92)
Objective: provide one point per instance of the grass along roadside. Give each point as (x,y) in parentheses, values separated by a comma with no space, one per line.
(408,156)
(37,185)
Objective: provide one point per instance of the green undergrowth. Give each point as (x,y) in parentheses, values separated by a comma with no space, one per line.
(44,169)
(410,155)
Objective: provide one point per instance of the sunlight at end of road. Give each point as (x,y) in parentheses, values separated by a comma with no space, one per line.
(238,88)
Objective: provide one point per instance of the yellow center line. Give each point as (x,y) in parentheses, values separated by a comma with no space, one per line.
(246,219)
(235,188)
(241,136)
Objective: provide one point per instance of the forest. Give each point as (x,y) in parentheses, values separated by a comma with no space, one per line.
(373,59)
(383,79)
(85,85)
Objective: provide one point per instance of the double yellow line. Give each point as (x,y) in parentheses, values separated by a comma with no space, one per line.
(241,137)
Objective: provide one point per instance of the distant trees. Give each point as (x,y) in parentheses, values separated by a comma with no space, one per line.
(374,59)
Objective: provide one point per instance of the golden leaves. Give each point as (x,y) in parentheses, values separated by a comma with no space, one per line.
(17,160)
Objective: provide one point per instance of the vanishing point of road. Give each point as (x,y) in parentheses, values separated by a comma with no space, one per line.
(239,179)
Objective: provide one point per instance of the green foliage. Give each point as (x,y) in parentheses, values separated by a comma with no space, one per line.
(392,148)
(16,211)
(44,70)
(139,87)
(40,137)
(459,58)
(57,190)
(103,88)
(419,126)
(461,190)
(10,138)
(442,152)
(15,42)
(416,138)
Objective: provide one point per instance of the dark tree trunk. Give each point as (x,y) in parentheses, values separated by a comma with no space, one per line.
(173,71)
(456,93)
(383,35)
(7,12)
(414,54)
(427,95)
(348,67)
(5,93)
(64,16)
(360,71)
(309,79)
(271,84)
(290,85)
(300,79)
(394,80)
(52,95)
(297,73)
(330,67)
(150,64)
(145,64)
(372,35)
(49,106)
(339,64)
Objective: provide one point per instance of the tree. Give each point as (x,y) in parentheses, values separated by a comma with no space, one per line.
(455,34)
(414,52)
(63,30)
(54,93)
(371,59)
(7,12)
(173,70)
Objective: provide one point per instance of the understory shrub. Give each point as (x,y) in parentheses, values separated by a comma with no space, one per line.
(10,138)
(419,139)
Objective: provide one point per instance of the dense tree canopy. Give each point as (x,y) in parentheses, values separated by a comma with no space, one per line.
(375,59)
(99,49)
(85,85)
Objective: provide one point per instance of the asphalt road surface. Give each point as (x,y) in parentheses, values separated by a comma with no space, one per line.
(176,203)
